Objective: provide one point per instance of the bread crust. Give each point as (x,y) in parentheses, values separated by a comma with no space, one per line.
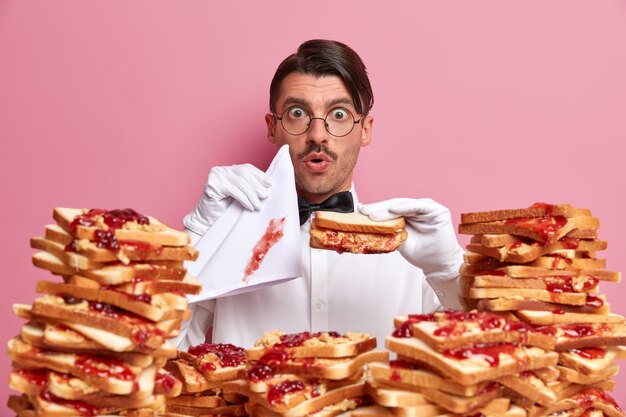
(357,222)
(565,210)
(318,346)
(162,233)
(526,358)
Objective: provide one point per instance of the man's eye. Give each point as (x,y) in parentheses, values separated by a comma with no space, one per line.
(296,113)
(339,114)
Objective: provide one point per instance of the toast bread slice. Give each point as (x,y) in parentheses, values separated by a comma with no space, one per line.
(72,259)
(393,397)
(588,335)
(407,374)
(496,268)
(357,222)
(153,307)
(53,336)
(570,298)
(475,368)
(198,401)
(326,368)
(563,283)
(455,329)
(546,230)
(498,240)
(591,360)
(216,362)
(571,375)
(114,377)
(154,232)
(307,404)
(594,305)
(520,252)
(529,386)
(536,210)
(105,317)
(590,398)
(548,318)
(128,250)
(114,274)
(192,379)
(313,345)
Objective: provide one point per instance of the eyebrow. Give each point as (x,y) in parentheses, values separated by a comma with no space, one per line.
(294,100)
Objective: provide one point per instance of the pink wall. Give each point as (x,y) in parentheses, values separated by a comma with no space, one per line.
(480,105)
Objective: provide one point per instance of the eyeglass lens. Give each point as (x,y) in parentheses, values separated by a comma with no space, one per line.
(338,121)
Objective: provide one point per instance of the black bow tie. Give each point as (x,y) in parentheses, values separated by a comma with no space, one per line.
(341,202)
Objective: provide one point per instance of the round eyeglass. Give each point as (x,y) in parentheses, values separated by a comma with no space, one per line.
(339,122)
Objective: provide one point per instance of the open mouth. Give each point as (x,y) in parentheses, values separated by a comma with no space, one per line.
(317,162)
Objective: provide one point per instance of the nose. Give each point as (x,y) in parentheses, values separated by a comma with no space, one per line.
(317,132)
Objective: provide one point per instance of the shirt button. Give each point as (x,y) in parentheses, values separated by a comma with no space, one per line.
(319,303)
(439,293)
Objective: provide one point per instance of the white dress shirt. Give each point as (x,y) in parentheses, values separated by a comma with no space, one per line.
(340,292)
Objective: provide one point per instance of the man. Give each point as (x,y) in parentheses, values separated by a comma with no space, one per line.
(320,99)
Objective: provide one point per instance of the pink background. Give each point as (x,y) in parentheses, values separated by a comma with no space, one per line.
(479,105)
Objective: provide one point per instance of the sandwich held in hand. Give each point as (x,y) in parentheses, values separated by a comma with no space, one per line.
(96,341)
(356,233)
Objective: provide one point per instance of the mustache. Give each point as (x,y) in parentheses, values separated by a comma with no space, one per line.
(317,148)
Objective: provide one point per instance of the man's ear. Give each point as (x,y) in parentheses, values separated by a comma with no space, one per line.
(270,120)
(366,130)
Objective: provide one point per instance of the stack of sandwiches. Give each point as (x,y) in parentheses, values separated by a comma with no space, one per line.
(539,265)
(460,363)
(306,374)
(203,370)
(96,342)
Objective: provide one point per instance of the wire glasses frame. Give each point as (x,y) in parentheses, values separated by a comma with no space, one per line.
(298,126)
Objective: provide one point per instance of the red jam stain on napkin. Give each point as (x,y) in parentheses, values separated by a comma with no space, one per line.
(273,234)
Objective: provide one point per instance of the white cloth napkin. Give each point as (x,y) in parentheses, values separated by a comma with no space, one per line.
(226,248)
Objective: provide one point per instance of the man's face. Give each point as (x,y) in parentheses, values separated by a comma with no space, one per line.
(323,163)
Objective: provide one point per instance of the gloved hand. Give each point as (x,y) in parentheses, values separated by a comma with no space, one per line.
(431,243)
(245,184)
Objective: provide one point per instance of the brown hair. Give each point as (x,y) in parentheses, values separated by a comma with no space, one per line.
(320,57)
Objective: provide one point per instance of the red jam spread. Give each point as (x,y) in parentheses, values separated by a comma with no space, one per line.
(35,377)
(115,219)
(104,368)
(593,301)
(547,227)
(82,408)
(403,364)
(404,330)
(275,355)
(588,397)
(260,372)
(515,245)
(577,330)
(548,208)
(276,394)
(590,352)
(165,380)
(229,355)
(562,284)
(272,235)
(298,339)
(570,242)
(142,333)
(557,259)
(487,352)
(145,298)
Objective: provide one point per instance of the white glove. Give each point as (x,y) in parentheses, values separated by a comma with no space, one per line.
(245,184)
(431,245)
